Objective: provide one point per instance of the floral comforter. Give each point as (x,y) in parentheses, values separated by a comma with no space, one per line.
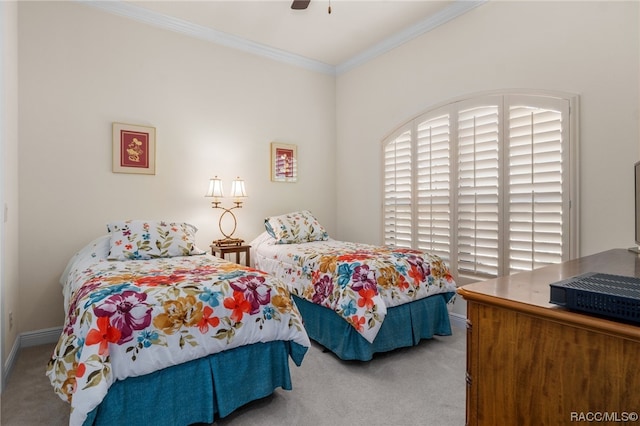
(129,318)
(358,281)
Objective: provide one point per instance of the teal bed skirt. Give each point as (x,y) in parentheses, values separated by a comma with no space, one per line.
(199,390)
(404,325)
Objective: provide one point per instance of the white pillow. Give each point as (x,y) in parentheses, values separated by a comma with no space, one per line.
(296,227)
(140,239)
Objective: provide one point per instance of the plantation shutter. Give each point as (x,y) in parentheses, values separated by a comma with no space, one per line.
(433,181)
(397,191)
(478,222)
(485,183)
(535,185)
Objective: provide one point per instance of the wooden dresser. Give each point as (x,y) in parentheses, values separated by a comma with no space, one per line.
(532,363)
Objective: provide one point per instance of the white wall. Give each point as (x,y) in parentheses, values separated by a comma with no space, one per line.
(8,178)
(215,110)
(587,48)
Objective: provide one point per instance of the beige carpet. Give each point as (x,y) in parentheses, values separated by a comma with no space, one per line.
(423,385)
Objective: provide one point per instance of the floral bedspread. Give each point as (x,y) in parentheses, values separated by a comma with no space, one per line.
(129,318)
(358,281)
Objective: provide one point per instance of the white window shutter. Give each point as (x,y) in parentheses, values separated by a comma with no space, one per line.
(433,185)
(485,183)
(535,185)
(478,197)
(397,191)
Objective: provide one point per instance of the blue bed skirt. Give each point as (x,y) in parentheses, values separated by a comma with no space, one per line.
(196,391)
(404,325)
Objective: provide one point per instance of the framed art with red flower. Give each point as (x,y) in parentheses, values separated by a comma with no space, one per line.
(134,149)
(284,162)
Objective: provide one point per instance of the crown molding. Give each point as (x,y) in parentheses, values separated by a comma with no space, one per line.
(160,20)
(458,8)
(156,19)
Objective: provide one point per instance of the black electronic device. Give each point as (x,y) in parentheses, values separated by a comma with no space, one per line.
(612,296)
(636,172)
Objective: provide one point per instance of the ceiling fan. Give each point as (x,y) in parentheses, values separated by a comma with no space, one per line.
(303,4)
(300,4)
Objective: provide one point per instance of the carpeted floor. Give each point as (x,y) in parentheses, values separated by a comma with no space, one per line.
(423,385)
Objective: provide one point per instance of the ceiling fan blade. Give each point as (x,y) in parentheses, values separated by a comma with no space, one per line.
(300,4)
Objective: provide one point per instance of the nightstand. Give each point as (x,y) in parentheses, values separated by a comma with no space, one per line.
(221,251)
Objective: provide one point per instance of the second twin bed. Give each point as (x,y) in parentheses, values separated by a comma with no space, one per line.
(356,299)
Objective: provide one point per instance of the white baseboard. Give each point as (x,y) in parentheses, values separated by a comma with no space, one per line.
(25,340)
(40,337)
(458,320)
(8,365)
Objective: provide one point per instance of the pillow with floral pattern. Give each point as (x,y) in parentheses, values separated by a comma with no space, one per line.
(296,227)
(140,239)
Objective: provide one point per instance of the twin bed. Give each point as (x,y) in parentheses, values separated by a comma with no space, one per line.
(155,327)
(356,299)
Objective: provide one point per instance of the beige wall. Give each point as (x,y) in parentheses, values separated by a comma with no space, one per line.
(215,110)
(8,177)
(586,48)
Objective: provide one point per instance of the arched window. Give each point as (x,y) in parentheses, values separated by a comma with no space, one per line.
(486,183)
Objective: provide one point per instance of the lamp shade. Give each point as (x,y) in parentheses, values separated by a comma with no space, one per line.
(237,189)
(215,188)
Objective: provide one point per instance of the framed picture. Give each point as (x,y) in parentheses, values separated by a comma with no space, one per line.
(134,149)
(284,162)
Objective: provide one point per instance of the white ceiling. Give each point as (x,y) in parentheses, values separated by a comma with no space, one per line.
(354,31)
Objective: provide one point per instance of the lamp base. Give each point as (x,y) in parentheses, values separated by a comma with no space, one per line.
(225,242)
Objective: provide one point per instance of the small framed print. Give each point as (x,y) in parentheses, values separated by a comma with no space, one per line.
(284,162)
(134,149)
